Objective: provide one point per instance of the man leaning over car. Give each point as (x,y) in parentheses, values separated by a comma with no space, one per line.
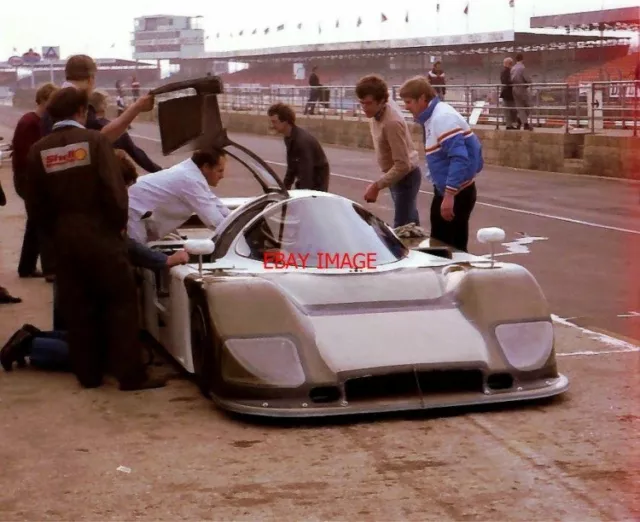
(76,194)
(307,164)
(173,195)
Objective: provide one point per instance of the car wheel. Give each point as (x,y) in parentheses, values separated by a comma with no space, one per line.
(202,350)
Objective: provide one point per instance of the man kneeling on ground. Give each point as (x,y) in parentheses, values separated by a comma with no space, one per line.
(48,350)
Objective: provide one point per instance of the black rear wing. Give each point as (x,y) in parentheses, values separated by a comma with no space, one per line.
(191,118)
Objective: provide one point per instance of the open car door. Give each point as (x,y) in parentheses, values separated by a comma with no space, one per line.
(195,118)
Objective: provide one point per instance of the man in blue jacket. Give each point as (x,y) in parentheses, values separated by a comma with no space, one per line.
(453,160)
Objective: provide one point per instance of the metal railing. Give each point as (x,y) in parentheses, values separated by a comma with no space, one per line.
(594,107)
(561,105)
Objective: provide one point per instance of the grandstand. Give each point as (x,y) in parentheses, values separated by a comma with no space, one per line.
(467,59)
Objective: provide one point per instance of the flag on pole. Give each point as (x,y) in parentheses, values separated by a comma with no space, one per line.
(383,18)
(337,23)
(466,9)
(512,3)
(280,27)
(319,29)
(406,18)
(438,7)
(300,25)
(266,30)
(359,22)
(241,33)
(254,31)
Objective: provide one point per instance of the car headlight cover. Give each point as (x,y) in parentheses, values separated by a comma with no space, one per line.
(527,346)
(273,360)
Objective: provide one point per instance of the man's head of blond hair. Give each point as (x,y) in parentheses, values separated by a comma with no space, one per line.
(416,88)
(99,101)
(44,93)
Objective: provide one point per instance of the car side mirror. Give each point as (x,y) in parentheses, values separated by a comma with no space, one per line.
(491,235)
(199,247)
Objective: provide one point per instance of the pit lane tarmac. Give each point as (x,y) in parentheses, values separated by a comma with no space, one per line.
(572,458)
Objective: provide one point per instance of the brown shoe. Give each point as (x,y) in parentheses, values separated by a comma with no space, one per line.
(16,349)
(7,298)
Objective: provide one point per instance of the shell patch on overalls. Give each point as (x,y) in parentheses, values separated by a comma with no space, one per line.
(63,158)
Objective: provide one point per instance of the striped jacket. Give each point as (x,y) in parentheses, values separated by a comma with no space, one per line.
(453,151)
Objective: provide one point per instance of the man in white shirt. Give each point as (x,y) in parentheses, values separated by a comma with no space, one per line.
(173,195)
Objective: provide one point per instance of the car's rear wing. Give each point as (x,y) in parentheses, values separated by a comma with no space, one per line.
(193,117)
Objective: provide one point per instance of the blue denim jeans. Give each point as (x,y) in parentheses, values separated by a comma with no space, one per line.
(50,351)
(405,199)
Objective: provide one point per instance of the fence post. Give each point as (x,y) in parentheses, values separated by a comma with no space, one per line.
(498,112)
(593,107)
(636,93)
(566,95)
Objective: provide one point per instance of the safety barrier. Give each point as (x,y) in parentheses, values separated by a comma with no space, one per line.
(594,107)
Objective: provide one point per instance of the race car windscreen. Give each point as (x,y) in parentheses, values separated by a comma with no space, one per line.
(317,229)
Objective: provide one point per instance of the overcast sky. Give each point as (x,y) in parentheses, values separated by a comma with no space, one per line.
(79,29)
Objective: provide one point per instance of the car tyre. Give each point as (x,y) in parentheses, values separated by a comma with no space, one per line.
(202,349)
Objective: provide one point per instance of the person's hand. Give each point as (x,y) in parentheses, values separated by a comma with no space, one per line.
(371,195)
(446,209)
(181,257)
(145,103)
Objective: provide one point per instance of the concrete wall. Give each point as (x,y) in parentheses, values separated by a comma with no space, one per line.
(598,155)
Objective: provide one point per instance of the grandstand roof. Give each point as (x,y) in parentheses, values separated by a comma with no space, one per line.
(622,19)
(496,41)
(102,63)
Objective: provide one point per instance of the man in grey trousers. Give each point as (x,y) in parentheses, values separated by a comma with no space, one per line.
(520,81)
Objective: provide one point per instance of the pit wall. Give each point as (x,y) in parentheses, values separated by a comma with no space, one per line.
(592,154)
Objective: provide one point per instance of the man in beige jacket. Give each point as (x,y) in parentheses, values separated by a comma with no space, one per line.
(395,151)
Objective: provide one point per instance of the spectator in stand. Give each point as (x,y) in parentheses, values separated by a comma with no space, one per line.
(314,94)
(99,101)
(135,88)
(437,79)
(506,94)
(520,81)
(27,132)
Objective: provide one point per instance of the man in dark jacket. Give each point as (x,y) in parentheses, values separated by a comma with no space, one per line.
(307,163)
(76,193)
(437,78)
(99,102)
(506,94)
(314,91)
(27,132)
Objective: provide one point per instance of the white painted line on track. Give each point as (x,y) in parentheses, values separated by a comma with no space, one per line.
(518,210)
(618,345)
(603,352)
